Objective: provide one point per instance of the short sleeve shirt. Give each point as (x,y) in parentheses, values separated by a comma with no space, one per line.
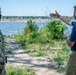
(73,36)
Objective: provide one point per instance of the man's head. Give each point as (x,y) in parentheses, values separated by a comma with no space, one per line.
(0,14)
(75,11)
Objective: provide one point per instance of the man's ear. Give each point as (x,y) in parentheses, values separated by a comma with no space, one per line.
(75,15)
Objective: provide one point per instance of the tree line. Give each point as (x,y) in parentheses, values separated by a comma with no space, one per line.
(25,17)
(32,17)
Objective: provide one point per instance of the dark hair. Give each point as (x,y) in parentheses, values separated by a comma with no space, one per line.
(0,16)
(75,6)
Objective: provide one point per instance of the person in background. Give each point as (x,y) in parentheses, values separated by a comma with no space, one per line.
(71,42)
(2,52)
(0,14)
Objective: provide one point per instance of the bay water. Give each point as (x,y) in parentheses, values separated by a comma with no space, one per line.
(12,28)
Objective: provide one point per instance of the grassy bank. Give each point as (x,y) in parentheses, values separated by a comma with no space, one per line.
(58,51)
(10,70)
(49,41)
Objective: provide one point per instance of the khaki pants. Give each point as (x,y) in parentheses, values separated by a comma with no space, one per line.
(71,66)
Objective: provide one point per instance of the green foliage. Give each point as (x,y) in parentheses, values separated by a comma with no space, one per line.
(8,51)
(21,40)
(59,60)
(64,53)
(18,37)
(55,29)
(31,32)
(61,69)
(18,71)
(31,27)
(43,38)
(61,56)
(39,53)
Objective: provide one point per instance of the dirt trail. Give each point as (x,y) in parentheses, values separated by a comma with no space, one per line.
(19,57)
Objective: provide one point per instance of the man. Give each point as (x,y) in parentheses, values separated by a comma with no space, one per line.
(0,14)
(2,52)
(71,42)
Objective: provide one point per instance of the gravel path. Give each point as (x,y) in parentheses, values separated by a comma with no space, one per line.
(19,57)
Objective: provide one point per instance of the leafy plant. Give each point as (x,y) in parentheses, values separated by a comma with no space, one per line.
(31,32)
(55,29)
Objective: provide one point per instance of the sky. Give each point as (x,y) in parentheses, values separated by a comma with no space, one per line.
(36,7)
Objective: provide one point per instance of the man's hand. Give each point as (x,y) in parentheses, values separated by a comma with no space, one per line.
(55,15)
(69,43)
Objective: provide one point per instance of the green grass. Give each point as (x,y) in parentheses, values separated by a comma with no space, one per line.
(18,71)
(37,49)
(60,53)
(59,60)
(8,51)
(39,53)
(61,56)
(61,69)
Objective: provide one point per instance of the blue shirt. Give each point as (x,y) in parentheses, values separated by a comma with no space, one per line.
(73,36)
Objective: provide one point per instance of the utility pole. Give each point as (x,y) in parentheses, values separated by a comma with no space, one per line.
(0,13)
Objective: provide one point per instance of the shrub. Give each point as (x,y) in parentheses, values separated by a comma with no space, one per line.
(31,32)
(55,29)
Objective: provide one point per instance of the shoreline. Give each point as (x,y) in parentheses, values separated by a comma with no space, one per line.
(34,20)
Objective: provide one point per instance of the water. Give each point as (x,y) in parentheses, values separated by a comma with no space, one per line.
(12,28)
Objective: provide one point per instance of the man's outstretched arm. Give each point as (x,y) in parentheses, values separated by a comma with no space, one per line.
(57,15)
